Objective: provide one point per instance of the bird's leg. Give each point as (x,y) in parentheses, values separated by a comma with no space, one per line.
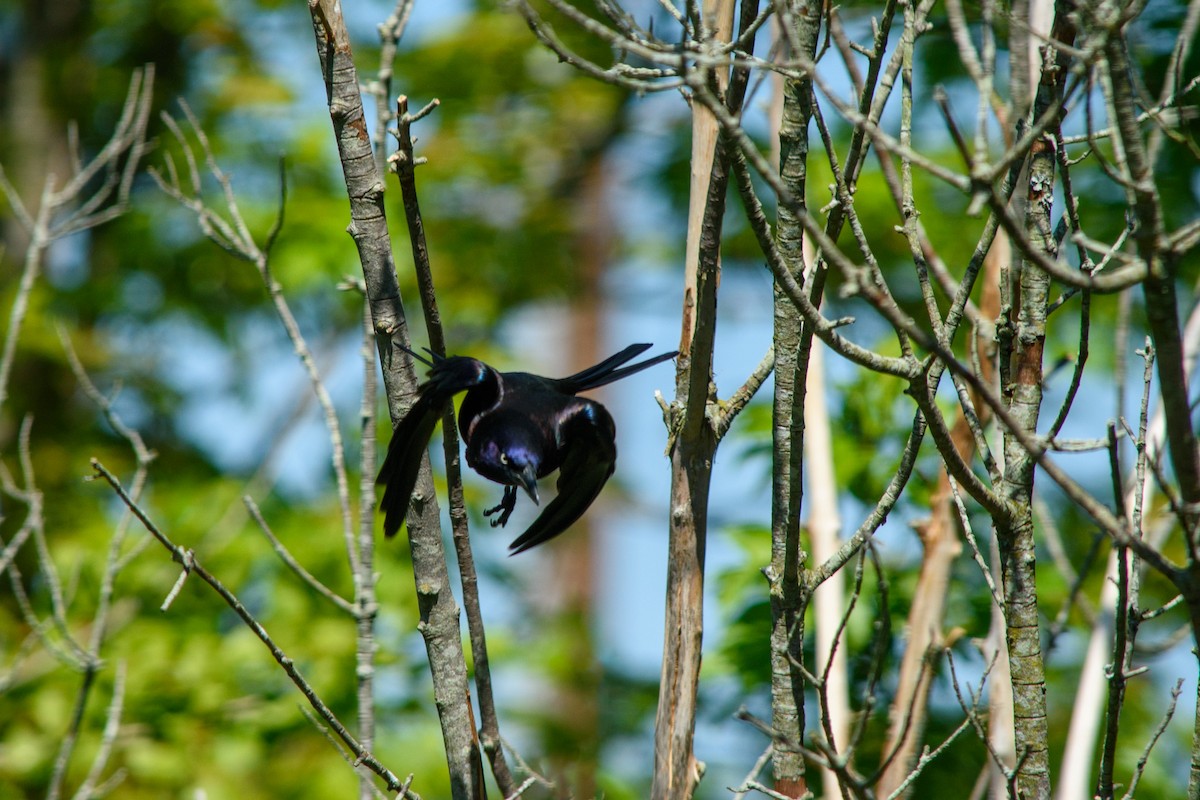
(505,509)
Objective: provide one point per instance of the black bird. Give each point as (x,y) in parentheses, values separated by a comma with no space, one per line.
(518,427)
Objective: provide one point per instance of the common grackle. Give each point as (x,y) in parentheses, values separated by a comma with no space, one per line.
(518,427)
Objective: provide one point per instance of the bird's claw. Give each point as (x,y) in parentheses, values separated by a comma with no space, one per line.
(505,508)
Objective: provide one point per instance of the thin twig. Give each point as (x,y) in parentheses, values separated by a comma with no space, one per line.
(745,393)
(1154,737)
(232,234)
(740,794)
(295,566)
(490,726)
(69,210)
(112,725)
(404,792)
(186,558)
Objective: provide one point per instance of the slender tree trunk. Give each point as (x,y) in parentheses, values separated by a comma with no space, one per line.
(1022,387)
(439,614)
(1021,383)
(1016,534)
(792,349)
(694,442)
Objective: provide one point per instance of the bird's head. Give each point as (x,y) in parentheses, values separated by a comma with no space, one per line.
(512,463)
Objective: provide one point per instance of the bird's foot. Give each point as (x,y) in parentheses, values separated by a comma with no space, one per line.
(505,509)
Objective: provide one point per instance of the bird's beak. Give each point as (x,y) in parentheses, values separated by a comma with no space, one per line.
(528,479)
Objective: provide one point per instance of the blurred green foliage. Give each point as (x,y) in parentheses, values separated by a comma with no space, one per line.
(178,331)
(174,328)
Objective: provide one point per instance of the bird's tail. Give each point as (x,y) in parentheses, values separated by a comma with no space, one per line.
(610,369)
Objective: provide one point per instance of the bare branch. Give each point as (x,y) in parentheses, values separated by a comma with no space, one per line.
(1158,732)
(187,559)
(70,210)
(294,565)
(745,393)
(232,234)
(405,162)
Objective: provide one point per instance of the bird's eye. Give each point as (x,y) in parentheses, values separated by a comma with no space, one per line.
(504,458)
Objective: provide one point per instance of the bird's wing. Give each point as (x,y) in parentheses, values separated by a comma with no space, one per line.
(587,439)
(607,370)
(398,475)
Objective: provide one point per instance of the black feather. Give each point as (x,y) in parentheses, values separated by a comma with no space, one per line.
(516,426)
